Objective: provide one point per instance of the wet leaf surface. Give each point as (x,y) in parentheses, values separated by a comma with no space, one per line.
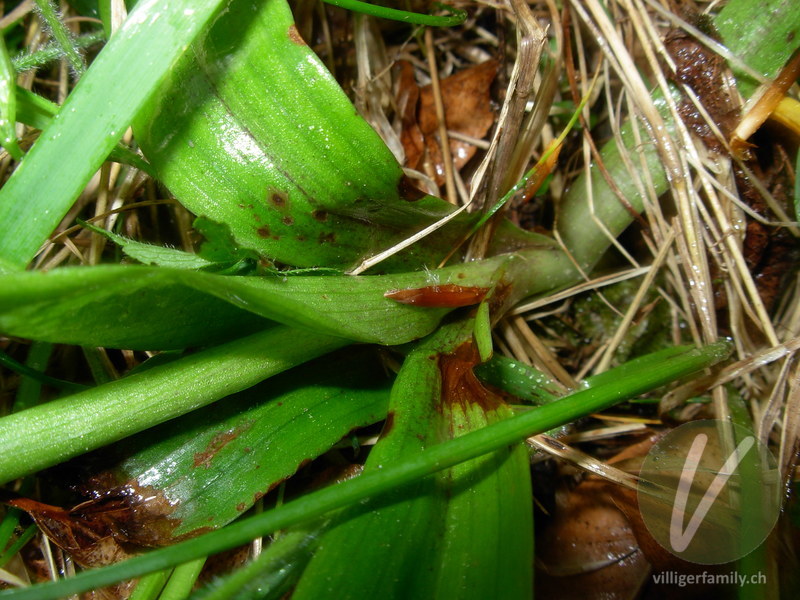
(252,131)
(202,470)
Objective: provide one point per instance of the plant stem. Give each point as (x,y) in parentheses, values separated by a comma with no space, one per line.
(52,20)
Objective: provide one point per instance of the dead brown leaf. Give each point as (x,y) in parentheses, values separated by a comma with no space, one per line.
(467,107)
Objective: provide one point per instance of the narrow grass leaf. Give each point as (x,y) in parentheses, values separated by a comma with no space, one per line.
(456,16)
(92,120)
(180,583)
(273,573)
(38,112)
(107,413)
(8,104)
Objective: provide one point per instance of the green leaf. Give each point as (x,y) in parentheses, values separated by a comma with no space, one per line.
(273,573)
(518,379)
(119,307)
(415,466)
(150,254)
(487,547)
(38,112)
(92,120)
(213,464)
(252,131)
(8,104)
(763,34)
(468,532)
(157,308)
(110,412)
(410,516)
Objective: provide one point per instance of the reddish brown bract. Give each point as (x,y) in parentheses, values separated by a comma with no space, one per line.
(447,295)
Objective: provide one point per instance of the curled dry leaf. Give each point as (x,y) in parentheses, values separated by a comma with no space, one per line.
(85,531)
(467,108)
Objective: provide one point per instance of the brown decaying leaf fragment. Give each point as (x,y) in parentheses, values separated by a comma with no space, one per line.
(467,108)
(83,531)
(460,386)
(447,295)
(768,251)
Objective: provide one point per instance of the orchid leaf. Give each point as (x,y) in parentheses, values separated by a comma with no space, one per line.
(212,464)
(466,533)
(252,131)
(158,308)
(107,413)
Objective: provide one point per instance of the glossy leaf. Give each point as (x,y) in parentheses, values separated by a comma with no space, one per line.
(252,131)
(413,467)
(487,547)
(160,308)
(410,516)
(204,469)
(465,533)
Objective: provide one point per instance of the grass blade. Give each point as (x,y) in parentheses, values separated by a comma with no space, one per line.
(92,120)
(8,104)
(107,413)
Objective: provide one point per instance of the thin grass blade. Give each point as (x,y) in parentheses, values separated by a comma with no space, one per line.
(92,120)
(107,413)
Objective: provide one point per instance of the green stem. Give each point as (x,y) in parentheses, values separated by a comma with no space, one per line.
(456,16)
(19,543)
(182,580)
(53,51)
(369,484)
(51,18)
(149,586)
(767,42)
